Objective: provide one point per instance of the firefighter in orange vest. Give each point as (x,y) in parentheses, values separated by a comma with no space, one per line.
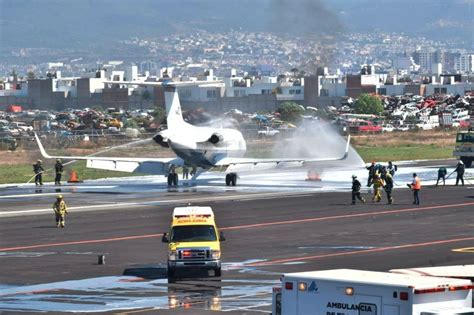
(415,187)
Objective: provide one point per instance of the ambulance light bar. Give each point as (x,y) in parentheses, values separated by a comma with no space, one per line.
(433,290)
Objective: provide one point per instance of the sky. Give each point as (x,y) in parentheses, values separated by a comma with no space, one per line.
(70,23)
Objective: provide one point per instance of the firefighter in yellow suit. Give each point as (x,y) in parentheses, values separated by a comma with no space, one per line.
(60,209)
(378,184)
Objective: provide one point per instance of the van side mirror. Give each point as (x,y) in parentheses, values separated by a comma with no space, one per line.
(221,236)
(165,238)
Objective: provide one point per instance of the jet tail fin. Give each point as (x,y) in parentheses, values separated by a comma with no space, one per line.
(174,115)
(42,150)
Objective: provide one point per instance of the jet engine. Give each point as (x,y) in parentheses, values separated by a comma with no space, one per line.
(161,141)
(216,138)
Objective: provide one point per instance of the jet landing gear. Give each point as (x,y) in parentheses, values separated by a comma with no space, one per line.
(231,179)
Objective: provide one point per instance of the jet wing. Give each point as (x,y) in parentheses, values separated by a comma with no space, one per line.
(229,161)
(157,166)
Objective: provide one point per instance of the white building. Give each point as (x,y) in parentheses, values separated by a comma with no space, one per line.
(404,64)
(131,73)
(464,63)
(332,86)
(426,58)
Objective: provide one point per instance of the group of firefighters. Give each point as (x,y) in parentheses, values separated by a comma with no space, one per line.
(459,170)
(39,170)
(382,177)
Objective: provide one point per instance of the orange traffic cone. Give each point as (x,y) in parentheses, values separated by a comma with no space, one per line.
(73,178)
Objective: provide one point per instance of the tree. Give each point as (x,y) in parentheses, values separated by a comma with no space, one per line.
(30,75)
(290,111)
(368,104)
(130,123)
(159,114)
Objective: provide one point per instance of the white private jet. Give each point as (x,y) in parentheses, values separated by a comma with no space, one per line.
(203,147)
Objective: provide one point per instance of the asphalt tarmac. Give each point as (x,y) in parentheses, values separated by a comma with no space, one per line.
(268,231)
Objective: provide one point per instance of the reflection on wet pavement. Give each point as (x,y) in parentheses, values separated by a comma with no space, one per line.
(126,292)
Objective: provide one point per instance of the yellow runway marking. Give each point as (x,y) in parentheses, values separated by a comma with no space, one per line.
(464,250)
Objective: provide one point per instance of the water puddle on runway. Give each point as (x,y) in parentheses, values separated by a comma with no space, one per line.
(109,294)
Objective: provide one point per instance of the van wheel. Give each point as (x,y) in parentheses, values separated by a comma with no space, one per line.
(171,275)
(233,179)
(170,179)
(217,272)
(175,179)
(227,179)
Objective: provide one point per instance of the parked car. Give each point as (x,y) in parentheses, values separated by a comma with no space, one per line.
(21,125)
(388,128)
(8,143)
(424,125)
(365,126)
(268,132)
(403,128)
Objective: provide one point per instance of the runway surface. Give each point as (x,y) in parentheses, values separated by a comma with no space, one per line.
(284,226)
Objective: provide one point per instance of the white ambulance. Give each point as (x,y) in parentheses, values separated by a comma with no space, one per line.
(359,292)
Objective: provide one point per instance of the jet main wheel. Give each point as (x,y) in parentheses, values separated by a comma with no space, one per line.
(231,179)
(172,179)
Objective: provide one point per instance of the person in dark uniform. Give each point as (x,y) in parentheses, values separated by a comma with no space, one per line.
(460,168)
(383,173)
(58,167)
(388,188)
(185,172)
(442,175)
(372,170)
(193,170)
(391,168)
(38,169)
(356,190)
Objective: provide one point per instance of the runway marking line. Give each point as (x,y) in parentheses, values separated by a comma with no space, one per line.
(374,250)
(464,250)
(238,227)
(346,216)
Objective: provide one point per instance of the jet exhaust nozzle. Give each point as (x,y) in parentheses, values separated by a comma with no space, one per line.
(161,141)
(216,138)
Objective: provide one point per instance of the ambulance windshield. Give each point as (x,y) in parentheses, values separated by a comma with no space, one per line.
(193,233)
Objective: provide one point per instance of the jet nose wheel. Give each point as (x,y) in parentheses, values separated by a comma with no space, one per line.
(231,179)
